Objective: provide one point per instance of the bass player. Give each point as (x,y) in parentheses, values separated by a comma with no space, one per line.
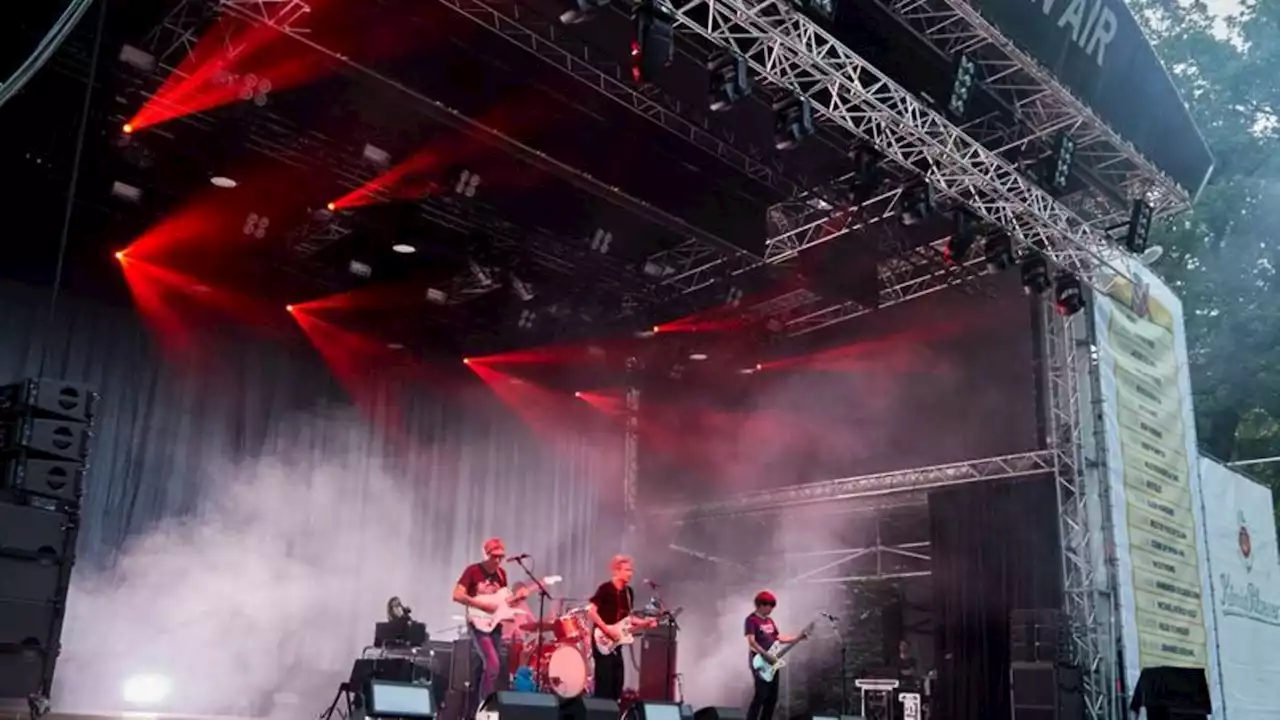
(612,603)
(762,636)
(476,588)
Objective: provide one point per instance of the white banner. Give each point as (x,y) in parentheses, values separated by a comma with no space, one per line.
(1154,480)
(1245,567)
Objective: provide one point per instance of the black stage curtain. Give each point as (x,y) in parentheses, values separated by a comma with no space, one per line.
(995,549)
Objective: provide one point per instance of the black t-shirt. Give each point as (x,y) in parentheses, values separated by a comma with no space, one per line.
(906,667)
(613,604)
(478,581)
(763,629)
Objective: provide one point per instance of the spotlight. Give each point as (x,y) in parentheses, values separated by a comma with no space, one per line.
(466,361)
(962,237)
(1138,233)
(256,225)
(330,207)
(966,76)
(653,46)
(581,11)
(1068,295)
(146,689)
(998,252)
(578,395)
(128,129)
(698,357)
(289,309)
(225,183)
(359,269)
(1035,275)
(522,289)
(729,81)
(915,204)
(792,122)
(126,192)
(467,184)
(404,249)
(395,346)
(1063,156)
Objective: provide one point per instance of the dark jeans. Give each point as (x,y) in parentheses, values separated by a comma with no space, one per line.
(764,700)
(610,674)
(485,678)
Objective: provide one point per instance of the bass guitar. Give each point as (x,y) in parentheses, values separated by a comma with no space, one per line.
(768,671)
(485,621)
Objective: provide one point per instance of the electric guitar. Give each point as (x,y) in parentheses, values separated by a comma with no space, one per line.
(486,621)
(768,671)
(626,628)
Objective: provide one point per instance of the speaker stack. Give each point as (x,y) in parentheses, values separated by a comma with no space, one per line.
(1044,686)
(44,450)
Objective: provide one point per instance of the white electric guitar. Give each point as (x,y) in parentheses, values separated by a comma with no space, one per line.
(505,612)
(768,671)
(626,629)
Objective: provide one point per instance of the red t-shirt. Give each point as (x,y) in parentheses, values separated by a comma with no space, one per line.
(478,581)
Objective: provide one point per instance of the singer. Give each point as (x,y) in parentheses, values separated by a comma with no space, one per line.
(612,603)
(474,586)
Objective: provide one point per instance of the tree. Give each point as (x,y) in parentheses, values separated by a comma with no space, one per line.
(1221,257)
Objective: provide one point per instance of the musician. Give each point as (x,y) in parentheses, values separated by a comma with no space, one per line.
(476,582)
(762,635)
(612,602)
(908,671)
(395,609)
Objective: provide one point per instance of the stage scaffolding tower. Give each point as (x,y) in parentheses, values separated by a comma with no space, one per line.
(631,455)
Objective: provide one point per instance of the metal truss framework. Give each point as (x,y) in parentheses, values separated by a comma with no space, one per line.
(549,41)
(789,51)
(1082,599)
(1040,102)
(889,561)
(867,487)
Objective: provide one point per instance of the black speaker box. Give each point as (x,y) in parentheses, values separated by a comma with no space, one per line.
(1172,693)
(49,398)
(22,673)
(54,439)
(34,580)
(1046,691)
(34,533)
(657,668)
(59,481)
(589,708)
(720,713)
(523,706)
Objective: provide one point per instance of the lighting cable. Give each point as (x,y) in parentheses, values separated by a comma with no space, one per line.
(74,183)
(53,40)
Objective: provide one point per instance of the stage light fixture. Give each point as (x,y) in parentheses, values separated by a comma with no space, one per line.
(404,249)
(1064,156)
(146,689)
(466,361)
(734,297)
(467,184)
(437,297)
(578,395)
(998,251)
(256,225)
(289,309)
(522,289)
(128,129)
(966,77)
(126,192)
(480,274)
(1138,232)
(1068,294)
(915,204)
(697,357)
(963,235)
(220,181)
(375,155)
(730,81)
(601,239)
(359,269)
(526,320)
(1035,274)
(653,46)
(119,255)
(137,59)
(581,11)
(395,346)
(792,122)
(867,177)
(331,207)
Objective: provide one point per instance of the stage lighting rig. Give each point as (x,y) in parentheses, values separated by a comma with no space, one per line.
(962,86)
(522,289)
(730,80)
(1035,274)
(1138,232)
(126,192)
(480,273)
(582,11)
(467,184)
(915,204)
(653,47)
(867,177)
(376,156)
(792,122)
(1068,295)
(359,269)
(256,225)
(526,320)
(964,233)
(998,251)
(1064,155)
(601,239)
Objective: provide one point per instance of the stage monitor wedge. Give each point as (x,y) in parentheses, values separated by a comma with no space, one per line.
(385,699)
(520,706)
(589,708)
(649,710)
(720,713)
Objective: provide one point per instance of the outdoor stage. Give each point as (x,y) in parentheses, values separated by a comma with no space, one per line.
(893,367)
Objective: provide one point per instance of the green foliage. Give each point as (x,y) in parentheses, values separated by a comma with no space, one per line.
(1221,257)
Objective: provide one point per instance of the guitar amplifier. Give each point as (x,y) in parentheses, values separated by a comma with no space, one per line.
(656,657)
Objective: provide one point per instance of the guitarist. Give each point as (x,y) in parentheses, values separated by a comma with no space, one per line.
(612,602)
(476,583)
(762,636)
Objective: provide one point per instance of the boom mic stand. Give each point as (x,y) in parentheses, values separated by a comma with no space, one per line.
(844,666)
(543,596)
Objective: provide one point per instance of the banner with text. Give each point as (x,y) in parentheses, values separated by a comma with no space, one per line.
(1245,570)
(1152,465)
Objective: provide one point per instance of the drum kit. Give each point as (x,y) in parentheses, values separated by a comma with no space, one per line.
(556,653)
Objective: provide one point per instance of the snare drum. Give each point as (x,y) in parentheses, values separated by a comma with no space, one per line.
(572,626)
(563,671)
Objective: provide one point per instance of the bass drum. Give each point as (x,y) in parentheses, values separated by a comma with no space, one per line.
(563,671)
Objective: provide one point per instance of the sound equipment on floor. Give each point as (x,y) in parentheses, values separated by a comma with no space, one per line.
(1046,691)
(1171,693)
(45,431)
(505,705)
(1036,636)
(387,699)
(720,713)
(657,710)
(589,708)
(657,660)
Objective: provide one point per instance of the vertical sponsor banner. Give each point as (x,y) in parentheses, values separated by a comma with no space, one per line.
(1152,468)
(1245,569)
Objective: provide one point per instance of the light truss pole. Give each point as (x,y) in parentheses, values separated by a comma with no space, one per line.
(867,487)
(1040,102)
(791,52)
(631,453)
(1082,594)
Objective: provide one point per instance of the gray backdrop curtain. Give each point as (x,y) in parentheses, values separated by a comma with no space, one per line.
(244,524)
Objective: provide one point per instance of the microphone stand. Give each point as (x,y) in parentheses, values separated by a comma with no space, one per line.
(844,666)
(543,596)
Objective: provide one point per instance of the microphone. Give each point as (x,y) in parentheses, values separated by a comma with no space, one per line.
(518,558)
(407,610)
(651,584)
(830,617)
